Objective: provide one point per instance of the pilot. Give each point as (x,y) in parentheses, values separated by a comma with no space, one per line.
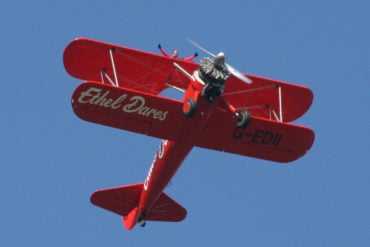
(175,54)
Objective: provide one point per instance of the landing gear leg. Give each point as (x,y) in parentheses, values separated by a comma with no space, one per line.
(243,118)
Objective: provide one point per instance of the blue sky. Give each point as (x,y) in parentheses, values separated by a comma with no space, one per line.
(51,161)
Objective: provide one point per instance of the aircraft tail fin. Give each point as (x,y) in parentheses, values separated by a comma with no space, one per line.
(124,200)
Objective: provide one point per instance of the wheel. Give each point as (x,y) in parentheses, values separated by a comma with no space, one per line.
(141,220)
(243,119)
(142,223)
(189,107)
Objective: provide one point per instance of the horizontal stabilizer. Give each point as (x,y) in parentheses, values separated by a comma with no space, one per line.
(124,201)
(120,200)
(166,209)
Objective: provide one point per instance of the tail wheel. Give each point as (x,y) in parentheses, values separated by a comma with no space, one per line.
(141,220)
(189,107)
(142,223)
(243,119)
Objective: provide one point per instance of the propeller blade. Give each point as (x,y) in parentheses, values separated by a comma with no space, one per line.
(201,47)
(232,70)
(238,74)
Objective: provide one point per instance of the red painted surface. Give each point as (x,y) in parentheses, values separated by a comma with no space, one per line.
(134,105)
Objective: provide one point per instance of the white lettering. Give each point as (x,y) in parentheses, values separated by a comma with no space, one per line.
(146,182)
(158,155)
(136,104)
(161,149)
(88,94)
(117,103)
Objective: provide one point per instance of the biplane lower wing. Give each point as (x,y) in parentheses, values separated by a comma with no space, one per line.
(156,116)
(263,139)
(127,109)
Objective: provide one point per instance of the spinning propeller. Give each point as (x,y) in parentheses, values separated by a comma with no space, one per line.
(220,59)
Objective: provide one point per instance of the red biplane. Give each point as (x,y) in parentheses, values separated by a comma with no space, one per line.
(221,110)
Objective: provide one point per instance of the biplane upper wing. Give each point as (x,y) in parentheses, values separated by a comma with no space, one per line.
(127,109)
(268,98)
(263,138)
(92,60)
(147,72)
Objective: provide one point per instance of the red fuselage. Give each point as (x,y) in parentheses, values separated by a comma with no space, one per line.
(171,154)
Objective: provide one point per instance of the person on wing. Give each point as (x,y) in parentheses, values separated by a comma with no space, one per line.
(175,54)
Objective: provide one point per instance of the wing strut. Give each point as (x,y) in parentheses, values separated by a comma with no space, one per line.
(104,74)
(174,87)
(280,103)
(273,113)
(182,70)
(113,66)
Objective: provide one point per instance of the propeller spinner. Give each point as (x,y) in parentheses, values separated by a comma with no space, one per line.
(220,59)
